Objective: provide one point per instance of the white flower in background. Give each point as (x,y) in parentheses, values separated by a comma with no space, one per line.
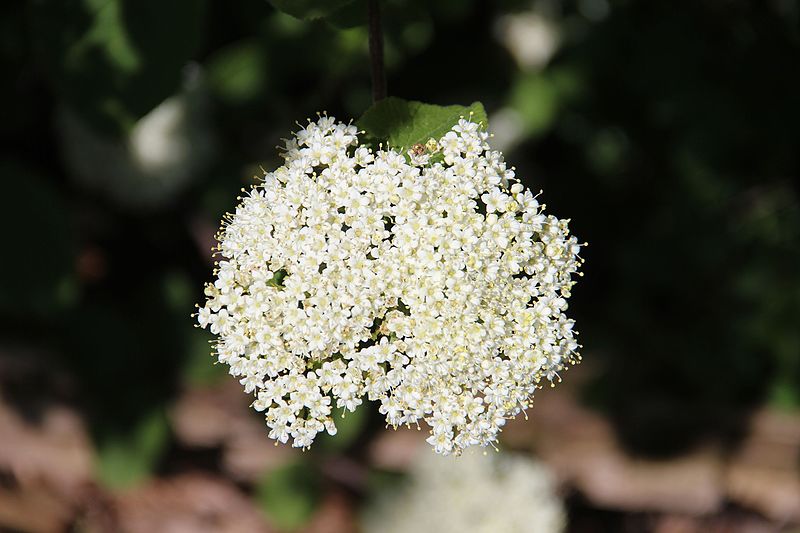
(531,37)
(163,152)
(437,289)
(472,493)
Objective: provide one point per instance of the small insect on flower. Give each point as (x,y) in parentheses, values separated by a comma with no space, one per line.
(418,149)
(435,287)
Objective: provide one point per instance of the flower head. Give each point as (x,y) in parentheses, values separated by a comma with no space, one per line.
(431,282)
(498,493)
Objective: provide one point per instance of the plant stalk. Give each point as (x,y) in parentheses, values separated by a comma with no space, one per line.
(376,51)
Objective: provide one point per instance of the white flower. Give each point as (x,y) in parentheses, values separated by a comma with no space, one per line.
(437,288)
(472,493)
(162,153)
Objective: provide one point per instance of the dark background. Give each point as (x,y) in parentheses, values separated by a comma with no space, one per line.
(667,131)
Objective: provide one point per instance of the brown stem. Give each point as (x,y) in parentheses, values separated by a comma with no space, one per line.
(376,51)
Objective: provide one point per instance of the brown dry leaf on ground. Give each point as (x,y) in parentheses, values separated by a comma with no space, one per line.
(220,415)
(208,416)
(189,503)
(765,473)
(249,455)
(56,451)
(775,494)
(44,467)
(724,523)
(34,509)
(691,484)
(335,515)
(579,444)
(396,449)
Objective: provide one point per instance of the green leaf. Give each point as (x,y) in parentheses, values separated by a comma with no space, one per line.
(348,429)
(125,459)
(290,494)
(402,123)
(309,9)
(277,279)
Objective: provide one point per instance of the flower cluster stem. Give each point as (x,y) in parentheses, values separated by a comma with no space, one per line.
(376,51)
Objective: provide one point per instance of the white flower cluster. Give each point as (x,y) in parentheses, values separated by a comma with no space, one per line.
(431,282)
(499,493)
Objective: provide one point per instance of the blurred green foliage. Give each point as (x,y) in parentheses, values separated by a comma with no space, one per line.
(290,494)
(349,427)
(114,60)
(669,134)
(39,272)
(310,9)
(128,458)
(688,142)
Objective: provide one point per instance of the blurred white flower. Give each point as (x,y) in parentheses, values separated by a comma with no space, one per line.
(164,150)
(157,143)
(434,285)
(474,493)
(531,37)
(508,128)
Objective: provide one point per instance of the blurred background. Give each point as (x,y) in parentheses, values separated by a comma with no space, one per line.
(667,131)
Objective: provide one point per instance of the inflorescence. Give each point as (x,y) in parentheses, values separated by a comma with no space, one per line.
(429,281)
